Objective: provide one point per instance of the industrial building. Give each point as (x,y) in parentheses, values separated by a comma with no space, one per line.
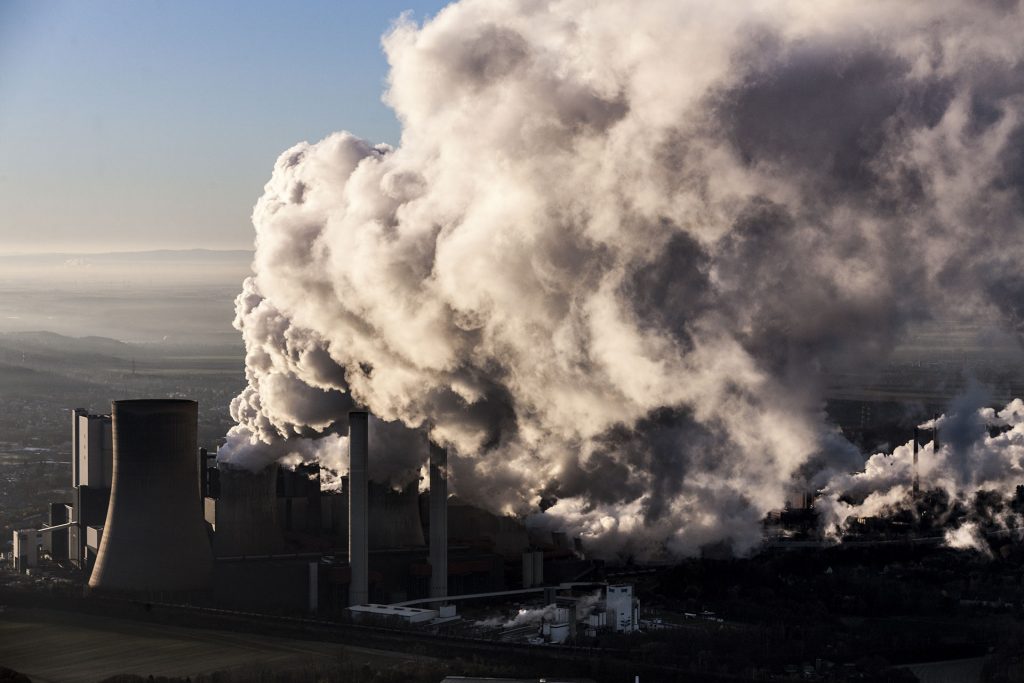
(547,679)
(622,608)
(365,544)
(155,516)
(92,469)
(26,549)
(74,530)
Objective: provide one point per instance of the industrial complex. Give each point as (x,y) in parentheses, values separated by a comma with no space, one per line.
(155,521)
(155,517)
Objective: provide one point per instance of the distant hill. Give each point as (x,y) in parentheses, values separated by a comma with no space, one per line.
(37,341)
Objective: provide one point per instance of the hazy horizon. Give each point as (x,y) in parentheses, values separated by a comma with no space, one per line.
(119,252)
(139,296)
(136,126)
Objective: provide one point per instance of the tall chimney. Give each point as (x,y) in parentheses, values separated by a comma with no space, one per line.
(935,440)
(438,521)
(358,453)
(917,482)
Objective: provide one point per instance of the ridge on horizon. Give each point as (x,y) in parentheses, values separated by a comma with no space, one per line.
(196,251)
(170,255)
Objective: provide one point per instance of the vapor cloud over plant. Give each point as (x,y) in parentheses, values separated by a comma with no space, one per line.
(618,242)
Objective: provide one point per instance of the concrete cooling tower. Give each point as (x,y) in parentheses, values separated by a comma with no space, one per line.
(154,539)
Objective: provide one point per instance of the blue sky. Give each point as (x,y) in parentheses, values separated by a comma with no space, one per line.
(141,124)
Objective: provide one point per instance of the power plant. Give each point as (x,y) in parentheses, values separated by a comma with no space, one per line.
(182,531)
(175,526)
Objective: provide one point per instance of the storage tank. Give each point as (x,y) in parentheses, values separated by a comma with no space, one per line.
(154,537)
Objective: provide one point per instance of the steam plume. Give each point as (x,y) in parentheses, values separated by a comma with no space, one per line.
(619,241)
(975,472)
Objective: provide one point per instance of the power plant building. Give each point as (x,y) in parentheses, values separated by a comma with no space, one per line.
(154,515)
(92,469)
(622,608)
(26,549)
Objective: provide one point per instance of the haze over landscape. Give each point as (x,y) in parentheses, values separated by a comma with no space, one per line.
(721,300)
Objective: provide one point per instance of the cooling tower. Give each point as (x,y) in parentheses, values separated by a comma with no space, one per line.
(438,521)
(358,551)
(154,538)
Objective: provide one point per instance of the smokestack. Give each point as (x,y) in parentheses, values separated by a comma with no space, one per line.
(917,482)
(935,439)
(154,538)
(358,547)
(438,521)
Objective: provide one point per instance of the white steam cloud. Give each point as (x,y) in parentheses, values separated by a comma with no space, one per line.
(619,241)
(975,473)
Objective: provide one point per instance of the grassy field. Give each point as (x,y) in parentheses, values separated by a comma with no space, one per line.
(51,646)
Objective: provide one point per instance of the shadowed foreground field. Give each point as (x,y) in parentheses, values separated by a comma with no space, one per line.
(51,646)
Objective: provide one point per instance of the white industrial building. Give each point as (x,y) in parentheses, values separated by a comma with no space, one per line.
(392,613)
(92,471)
(26,548)
(561,627)
(92,462)
(622,608)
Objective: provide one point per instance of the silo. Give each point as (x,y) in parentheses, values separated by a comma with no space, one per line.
(154,538)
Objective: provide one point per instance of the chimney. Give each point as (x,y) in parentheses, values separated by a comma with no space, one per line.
(917,482)
(438,521)
(358,548)
(935,440)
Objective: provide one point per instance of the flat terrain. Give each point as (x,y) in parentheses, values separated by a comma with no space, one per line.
(50,646)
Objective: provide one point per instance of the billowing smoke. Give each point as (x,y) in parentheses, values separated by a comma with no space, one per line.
(619,241)
(967,487)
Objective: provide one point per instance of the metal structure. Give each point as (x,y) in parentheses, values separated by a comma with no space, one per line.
(438,521)
(154,539)
(358,546)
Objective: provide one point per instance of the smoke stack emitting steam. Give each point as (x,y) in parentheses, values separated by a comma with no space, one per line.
(438,522)
(358,513)
(619,240)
